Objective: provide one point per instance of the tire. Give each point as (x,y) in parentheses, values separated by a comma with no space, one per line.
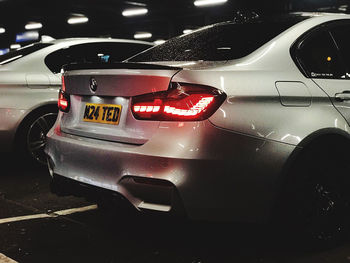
(31,136)
(315,204)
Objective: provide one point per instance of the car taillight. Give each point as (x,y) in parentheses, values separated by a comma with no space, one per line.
(182,102)
(63,98)
(63,87)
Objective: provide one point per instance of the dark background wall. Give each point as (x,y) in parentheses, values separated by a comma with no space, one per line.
(165,18)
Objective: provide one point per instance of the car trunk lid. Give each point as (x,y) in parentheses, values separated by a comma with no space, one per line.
(109,89)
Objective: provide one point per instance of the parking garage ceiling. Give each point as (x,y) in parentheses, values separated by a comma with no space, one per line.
(164,18)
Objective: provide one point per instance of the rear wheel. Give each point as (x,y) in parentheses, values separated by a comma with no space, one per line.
(315,206)
(31,138)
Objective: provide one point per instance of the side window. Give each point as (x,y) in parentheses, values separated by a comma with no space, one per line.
(341,35)
(105,52)
(56,60)
(319,56)
(61,57)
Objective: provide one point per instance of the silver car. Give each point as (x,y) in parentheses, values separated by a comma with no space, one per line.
(239,121)
(30,79)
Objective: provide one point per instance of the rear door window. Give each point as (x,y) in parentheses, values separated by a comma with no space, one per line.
(341,34)
(319,56)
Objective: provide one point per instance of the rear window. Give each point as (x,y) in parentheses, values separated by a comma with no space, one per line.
(224,41)
(99,52)
(21,52)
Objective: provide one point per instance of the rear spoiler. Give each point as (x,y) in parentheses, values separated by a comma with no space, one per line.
(121,65)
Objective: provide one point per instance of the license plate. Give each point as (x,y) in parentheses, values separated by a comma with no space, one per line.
(102,113)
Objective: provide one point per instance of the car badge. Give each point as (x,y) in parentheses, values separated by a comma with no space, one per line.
(93,84)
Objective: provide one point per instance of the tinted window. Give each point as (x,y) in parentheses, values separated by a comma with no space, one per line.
(319,57)
(19,53)
(341,35)
(92,53)
(220,42)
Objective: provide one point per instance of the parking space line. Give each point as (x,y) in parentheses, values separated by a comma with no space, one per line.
(4,259)
(23,218)
(75,210)
(53,214)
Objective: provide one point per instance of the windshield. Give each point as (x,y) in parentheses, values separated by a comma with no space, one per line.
(224,41)
(21,52)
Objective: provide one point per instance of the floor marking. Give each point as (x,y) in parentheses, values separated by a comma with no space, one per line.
(53,214)
(4,259)
(75,210)
(22,218)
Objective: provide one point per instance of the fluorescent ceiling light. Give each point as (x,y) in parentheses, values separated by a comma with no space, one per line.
(77,20)
(343,8)
(135,11)
(33,25)
(46,38)
(15,46)
(134,3)
(3,51)
(142,35)
(208,2)
(27,36)
(159,41)
(186,31)
(2,30)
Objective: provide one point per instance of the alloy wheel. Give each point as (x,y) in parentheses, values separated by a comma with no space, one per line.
(36,136)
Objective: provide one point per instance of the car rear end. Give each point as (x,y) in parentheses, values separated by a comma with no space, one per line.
(140,132)
(131,131)
(140,136)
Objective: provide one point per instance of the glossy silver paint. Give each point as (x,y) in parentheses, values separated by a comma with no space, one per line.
(228,167)
(27,84)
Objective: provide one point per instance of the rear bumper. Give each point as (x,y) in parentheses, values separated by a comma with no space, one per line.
(209,173)
(63,186)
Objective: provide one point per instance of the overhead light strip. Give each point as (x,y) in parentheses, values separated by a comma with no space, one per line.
(208,2)
(134,3)
(187,31)
(32,25)
(77,20)
(15,46)
(135,11)
(142,35)
(159,41)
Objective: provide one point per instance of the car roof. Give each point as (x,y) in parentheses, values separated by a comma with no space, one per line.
(316,14)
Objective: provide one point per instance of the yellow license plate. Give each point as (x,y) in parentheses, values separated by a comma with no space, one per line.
(102,113)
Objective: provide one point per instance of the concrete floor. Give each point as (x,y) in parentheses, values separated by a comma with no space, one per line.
(93,236)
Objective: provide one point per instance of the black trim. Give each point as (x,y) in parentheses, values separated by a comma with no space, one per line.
(64,186)
(122,65)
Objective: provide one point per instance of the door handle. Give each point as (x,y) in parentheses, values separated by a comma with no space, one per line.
(342,96)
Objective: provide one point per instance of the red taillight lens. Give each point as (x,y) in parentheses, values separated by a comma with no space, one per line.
(182,102)
(63,101)
(63,98)
(63,84)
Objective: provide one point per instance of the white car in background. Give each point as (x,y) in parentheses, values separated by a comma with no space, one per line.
(30,79)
